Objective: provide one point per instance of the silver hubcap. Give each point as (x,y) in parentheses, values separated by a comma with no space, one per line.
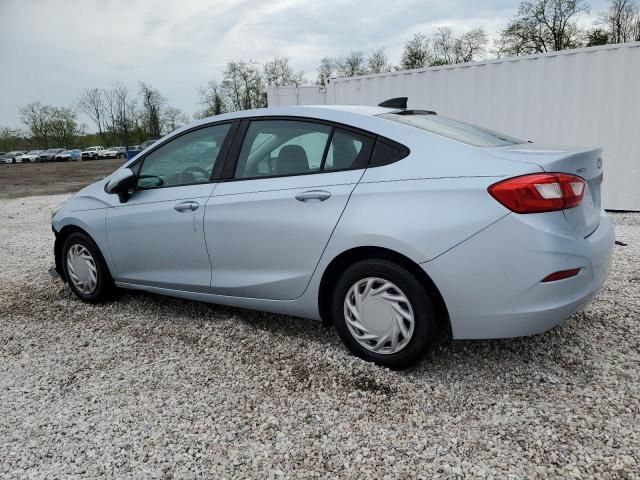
(82,269)
(379,315)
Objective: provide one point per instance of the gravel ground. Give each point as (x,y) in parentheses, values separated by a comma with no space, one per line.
(156,387)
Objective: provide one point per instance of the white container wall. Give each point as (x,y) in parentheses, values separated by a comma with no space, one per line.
(585,97)
(288,96)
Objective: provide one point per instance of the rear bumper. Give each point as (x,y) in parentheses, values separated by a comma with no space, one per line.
(492,286)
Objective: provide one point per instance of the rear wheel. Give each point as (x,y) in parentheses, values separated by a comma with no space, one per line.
(85,269)
(383,314)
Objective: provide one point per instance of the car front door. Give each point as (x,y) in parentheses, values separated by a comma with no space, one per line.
(267,226)
(156,238)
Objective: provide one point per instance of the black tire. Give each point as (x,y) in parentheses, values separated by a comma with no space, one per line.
(105,287)
(425,332)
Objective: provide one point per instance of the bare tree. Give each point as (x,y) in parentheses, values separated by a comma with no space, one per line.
(351,65)
(621,21)
(111,112)
(92,103)
(326,70)
(470,45)
(172,119)
(542,26)
(152,104)
(444,46)
(64,126)
(243,85)
(50,125)
(37,118)
(416,53)
(378,61)
(211,99)
(121,112)
(278,73)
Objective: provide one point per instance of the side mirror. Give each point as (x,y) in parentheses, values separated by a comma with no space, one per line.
(121,182)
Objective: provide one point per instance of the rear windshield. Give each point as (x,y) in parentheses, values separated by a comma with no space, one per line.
(447,127)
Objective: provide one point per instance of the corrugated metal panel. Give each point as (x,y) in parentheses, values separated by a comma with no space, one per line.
(288,96)
(584,97)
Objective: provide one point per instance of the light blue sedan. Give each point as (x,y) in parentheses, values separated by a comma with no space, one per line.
(394,225)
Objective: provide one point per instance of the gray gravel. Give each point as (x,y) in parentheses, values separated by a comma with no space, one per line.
(156,387)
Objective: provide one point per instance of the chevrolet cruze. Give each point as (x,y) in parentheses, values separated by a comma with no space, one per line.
(395,225)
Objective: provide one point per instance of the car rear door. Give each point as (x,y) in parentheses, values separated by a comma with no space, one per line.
(156,238)
(268,223)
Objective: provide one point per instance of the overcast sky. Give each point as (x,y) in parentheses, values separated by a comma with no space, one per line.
(50,50)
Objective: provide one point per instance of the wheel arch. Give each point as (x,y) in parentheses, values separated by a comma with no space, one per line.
(61,236)
(351,256)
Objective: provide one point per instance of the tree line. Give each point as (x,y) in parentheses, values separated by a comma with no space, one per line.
(122,117)
(539,26)
(118,115)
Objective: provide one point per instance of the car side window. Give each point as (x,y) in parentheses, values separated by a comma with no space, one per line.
(189,159)
(282,147)
(348,150)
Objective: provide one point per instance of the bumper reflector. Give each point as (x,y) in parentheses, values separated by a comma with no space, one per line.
(561,275)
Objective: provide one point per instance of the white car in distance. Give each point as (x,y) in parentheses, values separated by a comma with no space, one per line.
(30,156)
(91,153)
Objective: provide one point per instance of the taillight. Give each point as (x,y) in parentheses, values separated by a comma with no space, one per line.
(539,192)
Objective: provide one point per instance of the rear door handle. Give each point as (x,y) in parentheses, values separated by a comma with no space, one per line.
(189,206)
(313,196)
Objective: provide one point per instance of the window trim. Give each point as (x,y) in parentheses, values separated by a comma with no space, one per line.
(231,161)
(216,171)
(327,146)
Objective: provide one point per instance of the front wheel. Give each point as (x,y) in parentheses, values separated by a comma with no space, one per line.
(85,269)
(383,314)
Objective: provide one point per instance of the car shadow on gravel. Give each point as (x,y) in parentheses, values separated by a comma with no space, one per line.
(558,353)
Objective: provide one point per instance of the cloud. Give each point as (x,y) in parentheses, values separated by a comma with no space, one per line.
(52,50)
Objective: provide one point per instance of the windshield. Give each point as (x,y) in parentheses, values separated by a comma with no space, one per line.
(454,129)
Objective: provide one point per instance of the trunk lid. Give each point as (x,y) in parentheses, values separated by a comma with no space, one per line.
(586,163)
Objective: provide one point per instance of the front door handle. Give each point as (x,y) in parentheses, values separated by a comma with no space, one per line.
(313,196)
(189,206)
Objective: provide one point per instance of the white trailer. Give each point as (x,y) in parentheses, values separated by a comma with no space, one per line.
(584,97)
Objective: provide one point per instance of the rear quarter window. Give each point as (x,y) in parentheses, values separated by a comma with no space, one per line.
(385,152)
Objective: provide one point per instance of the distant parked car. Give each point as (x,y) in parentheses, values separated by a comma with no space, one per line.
(30,156)
(74,154)
(68,155)
(134,150)
(12,157)
(113,152)
(91,153)
(49,155)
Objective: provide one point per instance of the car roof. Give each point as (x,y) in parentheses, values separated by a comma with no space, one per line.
(358,109)
(312,111)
